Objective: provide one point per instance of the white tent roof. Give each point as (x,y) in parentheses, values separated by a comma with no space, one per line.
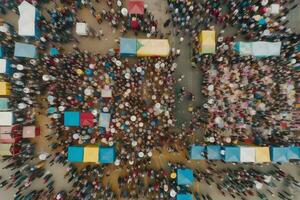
(81,28)
(2,66)
(247,154)
(6,118)
(27,19)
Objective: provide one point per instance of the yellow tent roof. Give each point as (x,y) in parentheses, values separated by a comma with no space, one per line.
(153,47)
(91,154)
(5,150)
(262,154)
(207,42)
(4,89)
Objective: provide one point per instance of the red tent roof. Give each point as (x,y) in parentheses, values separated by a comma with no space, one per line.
(86,119)
(136,7)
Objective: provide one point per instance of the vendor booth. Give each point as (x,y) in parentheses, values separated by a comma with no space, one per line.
(184,196)
(185,176)
(104,120)
(5,67)
(279,154)
(207,41)
(107,155)
(136,7)
(232,154)
(31,131)
(262,155)
(214,152)
(87,119)
(293,153)
(153,48)
(247,154)
(81,29)
(259,49)
(197,152)
(4,103)
(6,150)
(23,50)
(28,19)
(128,46)
(75,154)
(91,154)
(6,118)
(71,118)
(4,88)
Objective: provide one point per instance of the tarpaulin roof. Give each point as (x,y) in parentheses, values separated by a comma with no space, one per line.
(207,42)
(279,154)
(186,196)
(4,89)
(25,50)
(107,155)
(91,154)
(6,138)
(5,150)
(71,118)
(153,47)
(247,154)
(6,118)
(258,49)
(128,46)
(213,152)
(87,119)
(196,152)
(75,153)
(294,153)
(136,7)
(185,176)
(106,92)
(27,20)
(4,103)
(104,120)
(5,67)
(232,154)
(262,154)
(81,28)
(30,131)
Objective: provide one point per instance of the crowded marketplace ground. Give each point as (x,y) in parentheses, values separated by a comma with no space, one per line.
(149,99)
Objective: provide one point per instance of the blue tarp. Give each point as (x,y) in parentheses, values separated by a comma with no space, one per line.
(213,152)
(54,52)
(128,47)
(185,176)
(107,155)
(186,196)
(279,154)
(25,50)
(75,154)
(4,103)
(71,118)
(232,154)
(294,153)
(196,152)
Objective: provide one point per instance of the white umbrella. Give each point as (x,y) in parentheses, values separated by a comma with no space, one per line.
(22,106)
(133,143)
(118,63)
(46,77)
(20,67)
(133,118)
(127,76)
(117,162)
(124,12)
(210,88)
(141,154)
(149,153)
(139,69)
(26,90)
(88,91)
(157,105)
(173,193)
(76,136)
(131,162)
(258,185)
(61,108)
(141,124)
(43,156)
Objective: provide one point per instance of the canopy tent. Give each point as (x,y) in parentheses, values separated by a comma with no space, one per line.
(293,153)
(184,196)
(104,120)
(107,155)
(106,92)
(1,51)
(213,152)
(136,7)
(5,150)
(247,154)
(4,89)
(28,19)
(30,131)
(196,152)
(258,49)
(262,154)
(81,28)
(7,138)
(6,118)
(279,154)
(87,119)
(5,67)
(152,47)
(128,47)
(185,176)
(274,9)
(54,52)
(75,153)
(207,41)
(232,154)
(91,154)
(71,118)
(25,50)
(4,103)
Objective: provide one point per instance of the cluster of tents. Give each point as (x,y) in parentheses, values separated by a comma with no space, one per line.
(245,154)
(144,47)
(91,154)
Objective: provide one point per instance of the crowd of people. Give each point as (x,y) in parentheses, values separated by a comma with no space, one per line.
(246,98)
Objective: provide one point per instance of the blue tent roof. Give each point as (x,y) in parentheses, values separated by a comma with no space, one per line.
(294,153)
(232,154)
(25,50)
(75,153)
(107,155)
(213,152)
(54,52)
(4,103)
(279,154)
(71,118)
(196,152)
(1,51)
(128,46)
(185,176)
(186,196)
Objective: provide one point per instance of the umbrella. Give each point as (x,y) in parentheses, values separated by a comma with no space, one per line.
(124,12)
